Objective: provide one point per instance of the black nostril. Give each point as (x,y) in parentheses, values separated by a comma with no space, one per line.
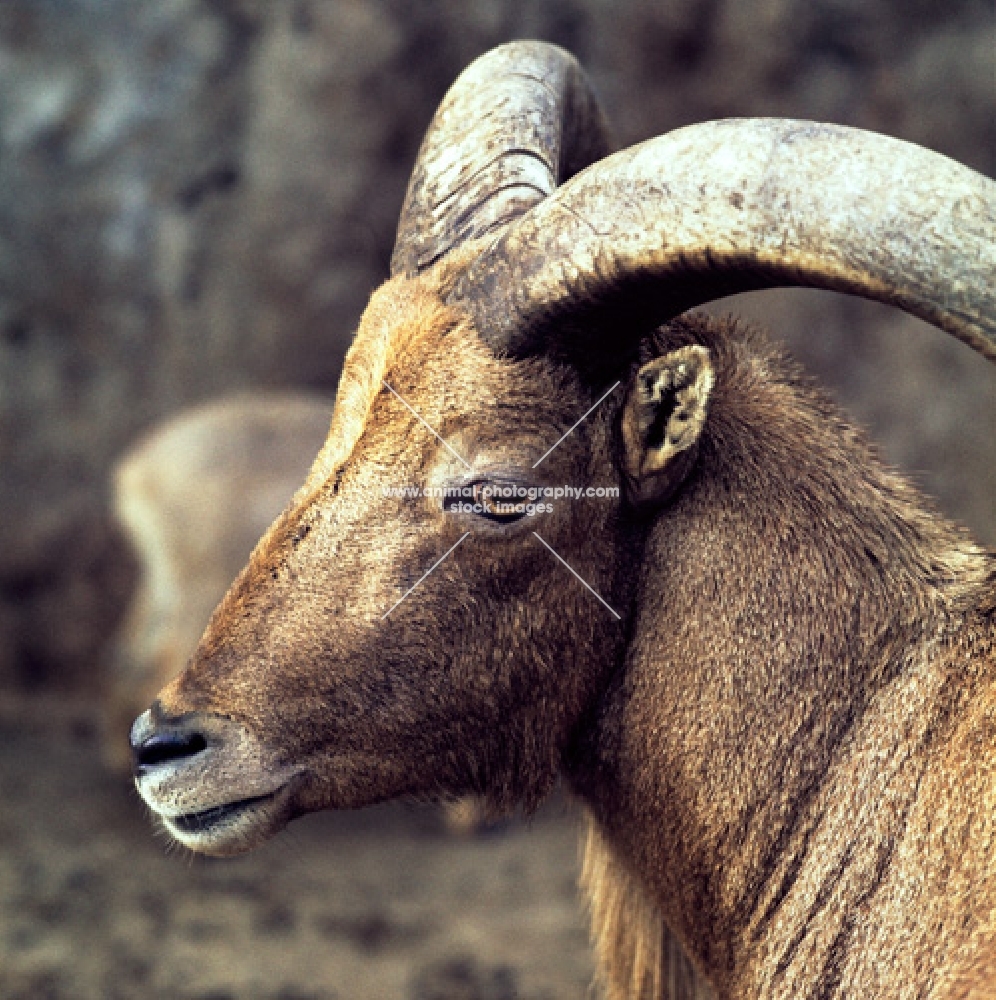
(161,748)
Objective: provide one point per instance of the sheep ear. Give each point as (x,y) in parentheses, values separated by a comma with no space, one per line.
(662,421)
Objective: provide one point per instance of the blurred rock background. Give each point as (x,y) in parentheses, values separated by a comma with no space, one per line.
(198,196)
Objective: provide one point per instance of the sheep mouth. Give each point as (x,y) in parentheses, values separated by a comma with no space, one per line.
(217,816)
(233,827)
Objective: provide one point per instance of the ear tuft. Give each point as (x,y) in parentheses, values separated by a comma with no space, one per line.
(662,420)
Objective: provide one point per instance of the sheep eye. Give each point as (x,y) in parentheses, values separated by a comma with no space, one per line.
(497,501)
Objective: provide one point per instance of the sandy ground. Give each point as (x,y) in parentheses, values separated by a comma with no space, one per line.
(381,903)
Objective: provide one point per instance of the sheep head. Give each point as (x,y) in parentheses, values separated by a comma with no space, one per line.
(381,644)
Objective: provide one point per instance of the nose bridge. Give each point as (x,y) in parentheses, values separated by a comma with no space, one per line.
(173,702)
(211,687)
(239,668)
(253,640)
(218,678)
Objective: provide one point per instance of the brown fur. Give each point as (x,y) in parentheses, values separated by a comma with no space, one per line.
(785,744)
(638,958)
(828,644)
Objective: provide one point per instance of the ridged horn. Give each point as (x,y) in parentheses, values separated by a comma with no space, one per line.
(735,205)
(517,123)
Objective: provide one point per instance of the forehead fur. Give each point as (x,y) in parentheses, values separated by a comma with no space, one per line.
(402,313)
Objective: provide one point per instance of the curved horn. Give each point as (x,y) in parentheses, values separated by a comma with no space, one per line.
(731,206)
(518,122)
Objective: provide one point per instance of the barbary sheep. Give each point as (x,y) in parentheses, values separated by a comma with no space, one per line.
(766,669)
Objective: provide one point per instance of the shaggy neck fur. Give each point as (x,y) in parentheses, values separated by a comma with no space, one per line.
(806,711)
